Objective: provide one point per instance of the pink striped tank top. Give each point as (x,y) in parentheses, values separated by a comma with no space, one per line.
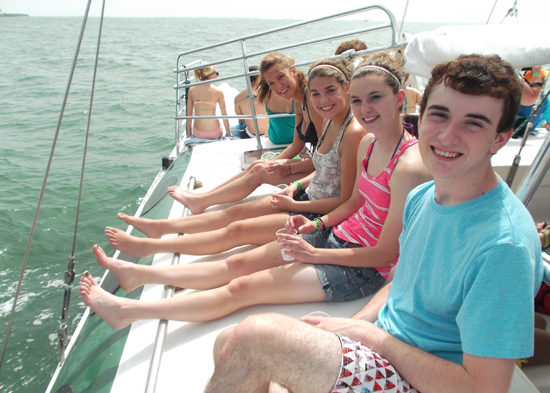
(365,226)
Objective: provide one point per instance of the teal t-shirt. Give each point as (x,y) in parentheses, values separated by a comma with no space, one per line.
(281,130)
(466,277)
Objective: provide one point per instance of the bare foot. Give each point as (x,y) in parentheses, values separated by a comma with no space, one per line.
(107,306)
(186,198)
(129,244)
(151,228)
(126,272)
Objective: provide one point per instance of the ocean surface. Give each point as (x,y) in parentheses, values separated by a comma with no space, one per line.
(132,127)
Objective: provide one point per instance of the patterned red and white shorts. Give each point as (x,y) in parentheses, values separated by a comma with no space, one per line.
(364,371)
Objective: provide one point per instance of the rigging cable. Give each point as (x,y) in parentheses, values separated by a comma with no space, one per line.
(69,273)
(48,167)
(491,14)
(528,124)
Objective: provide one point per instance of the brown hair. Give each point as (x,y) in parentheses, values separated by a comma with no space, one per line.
(480,75)
(286,62)
(352,44)
(337,68)
(253,77)
(386,61)
(202,74)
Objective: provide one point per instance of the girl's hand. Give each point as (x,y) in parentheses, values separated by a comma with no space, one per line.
(356,329)
(292,190)
(277,169)
(301,224)
(281,202)
(298,248)
(296,223)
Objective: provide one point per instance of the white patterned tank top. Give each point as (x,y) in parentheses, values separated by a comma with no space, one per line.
(326,182)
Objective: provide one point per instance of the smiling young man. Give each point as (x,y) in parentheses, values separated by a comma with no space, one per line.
(469,250)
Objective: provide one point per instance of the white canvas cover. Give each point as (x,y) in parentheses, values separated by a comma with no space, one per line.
(521,45)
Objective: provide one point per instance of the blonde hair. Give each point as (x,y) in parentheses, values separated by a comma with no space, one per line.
(202,74)
(286,62)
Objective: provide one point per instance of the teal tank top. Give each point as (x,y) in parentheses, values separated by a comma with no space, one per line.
(281,130)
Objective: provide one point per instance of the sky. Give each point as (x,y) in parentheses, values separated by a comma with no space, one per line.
(457,11)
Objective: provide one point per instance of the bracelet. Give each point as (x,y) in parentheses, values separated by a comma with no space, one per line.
(535,74)
(300,189)
(289,171)
(321,222)
(316,229)
(536,84)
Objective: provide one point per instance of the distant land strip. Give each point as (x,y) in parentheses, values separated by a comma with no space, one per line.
(11,15)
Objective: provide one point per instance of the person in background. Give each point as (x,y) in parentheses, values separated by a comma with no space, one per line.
(468,250)
(357,45)
(202,100)
(413,98)
(533,84)
(245,128)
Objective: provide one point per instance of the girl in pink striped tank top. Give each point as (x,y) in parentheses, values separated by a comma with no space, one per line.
(354,247)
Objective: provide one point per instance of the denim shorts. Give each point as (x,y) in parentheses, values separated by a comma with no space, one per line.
(303,197)
(343,283)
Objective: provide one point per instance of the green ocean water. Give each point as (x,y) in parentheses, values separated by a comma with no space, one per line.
(132,128)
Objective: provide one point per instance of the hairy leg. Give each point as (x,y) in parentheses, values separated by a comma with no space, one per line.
(257,231)
(271,348)
(200,223)
(296,283)
(201,276)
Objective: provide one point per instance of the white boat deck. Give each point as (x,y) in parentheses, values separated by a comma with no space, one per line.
(187,361)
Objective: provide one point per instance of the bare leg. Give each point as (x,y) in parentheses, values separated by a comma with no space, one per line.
(238,188)
(296,283)
(237,176)
(258,231)
(202,222)
(273,348)
(206,275)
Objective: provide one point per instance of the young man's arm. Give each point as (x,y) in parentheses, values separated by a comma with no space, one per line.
(372,308)
(426,372)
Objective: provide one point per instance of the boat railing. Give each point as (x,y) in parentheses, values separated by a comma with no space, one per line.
(187,62)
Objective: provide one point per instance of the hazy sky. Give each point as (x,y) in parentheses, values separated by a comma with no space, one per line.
(457,11)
